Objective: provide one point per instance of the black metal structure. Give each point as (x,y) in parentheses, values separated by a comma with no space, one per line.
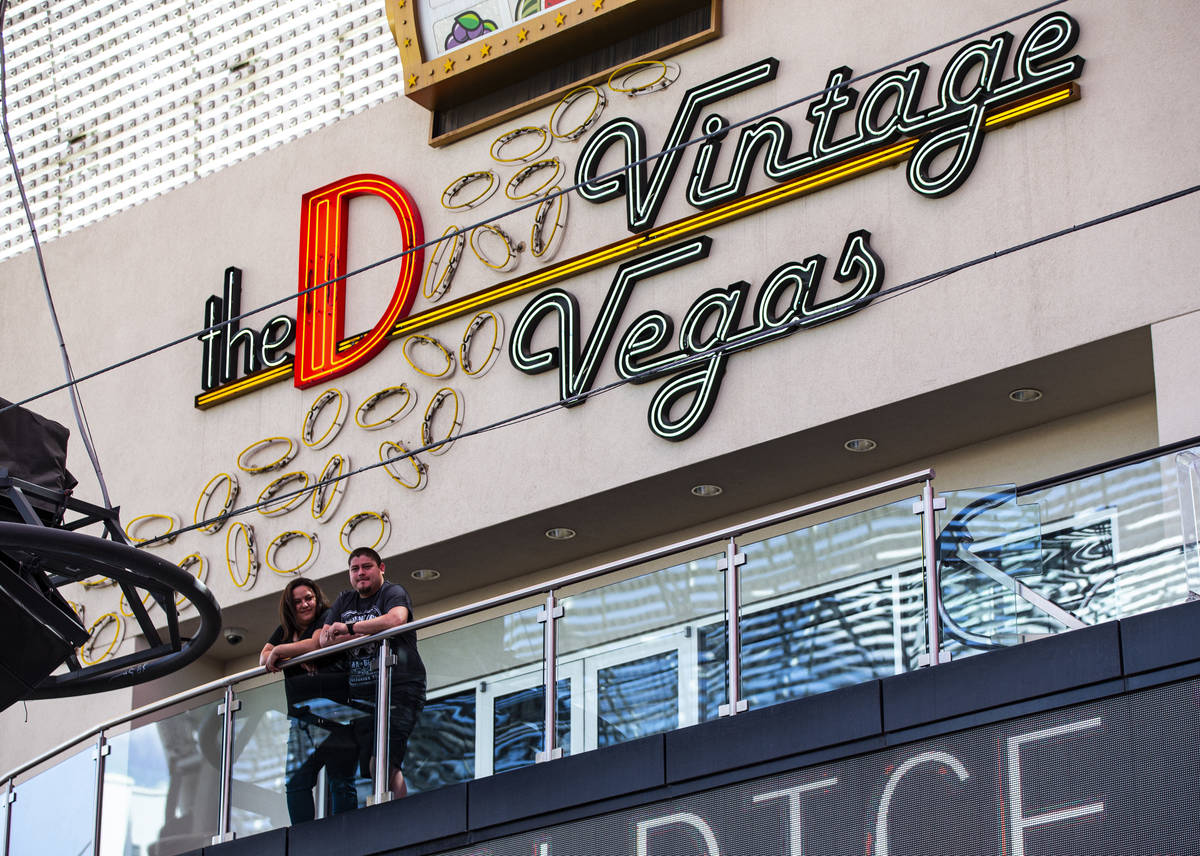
(42,549)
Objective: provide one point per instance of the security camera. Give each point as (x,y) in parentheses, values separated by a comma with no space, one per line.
(234,635)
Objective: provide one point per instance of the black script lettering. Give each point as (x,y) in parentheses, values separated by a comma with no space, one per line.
(644,195)
(709,333)
(578,367)
(230,350)
(947,137)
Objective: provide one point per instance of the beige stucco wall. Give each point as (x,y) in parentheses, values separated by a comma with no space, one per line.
(140,279)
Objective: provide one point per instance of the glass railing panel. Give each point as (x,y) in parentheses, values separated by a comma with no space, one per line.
(989,548)
(484,707)
(1117,543)
(55,810)
(643,655)
(294,752)
(162,785)
(830,605)
(1187,472)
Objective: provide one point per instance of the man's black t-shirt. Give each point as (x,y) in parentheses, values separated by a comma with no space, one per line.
(409,671)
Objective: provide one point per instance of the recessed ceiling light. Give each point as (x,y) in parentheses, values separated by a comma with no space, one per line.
(707,490)
(860,444)
(1025,394)
(425,574)
(560,533)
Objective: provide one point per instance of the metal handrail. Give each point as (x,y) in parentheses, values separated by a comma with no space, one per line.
(872,490)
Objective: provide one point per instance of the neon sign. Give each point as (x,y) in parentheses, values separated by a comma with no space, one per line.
(324,218)
(786,302)
(889,111)
(941,143)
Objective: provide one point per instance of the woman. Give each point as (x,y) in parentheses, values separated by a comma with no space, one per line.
(313,742)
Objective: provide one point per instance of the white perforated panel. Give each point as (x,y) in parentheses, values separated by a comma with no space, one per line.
(113,103)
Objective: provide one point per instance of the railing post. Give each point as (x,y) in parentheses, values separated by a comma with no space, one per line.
(548,617)
(733,605)
(383,697)
(98,755)
(228,708)
(928,508)
(10,797)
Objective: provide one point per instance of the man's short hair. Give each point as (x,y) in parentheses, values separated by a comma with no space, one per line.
(365,551)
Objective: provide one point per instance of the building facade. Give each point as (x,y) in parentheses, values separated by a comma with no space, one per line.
(789,250)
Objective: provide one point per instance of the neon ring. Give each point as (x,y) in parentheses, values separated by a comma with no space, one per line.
(201,573)
(173,523)
(269,507)
(330,487)
(309,427)
(94,583)
(427,425)
(88,648)
(503,140)
(422,339)
(669,73)
(442,281)
(464,350)
(544,246)
(282,539)
(386,448)
(279,463)
(452,190)
(510,249)
(201,513)
(353,522)
(510,189)
(77,608)
(247,533)
(147,601)
(564,105)
(364,409)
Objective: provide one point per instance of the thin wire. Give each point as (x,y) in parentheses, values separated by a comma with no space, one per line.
(85,431)
(767,335)
(535,202)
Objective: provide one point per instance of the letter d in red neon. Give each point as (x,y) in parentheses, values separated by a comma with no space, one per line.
(320,314)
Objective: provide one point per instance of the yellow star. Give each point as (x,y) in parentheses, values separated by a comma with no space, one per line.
(522,34)
(597,5)
(412,81)
(400,5)
(408,43)
(560,19)
(449,65)
(485,49)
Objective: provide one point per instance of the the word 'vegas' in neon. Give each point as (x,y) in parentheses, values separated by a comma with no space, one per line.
(712,329)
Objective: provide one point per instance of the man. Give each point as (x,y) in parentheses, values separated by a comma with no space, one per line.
(372,607)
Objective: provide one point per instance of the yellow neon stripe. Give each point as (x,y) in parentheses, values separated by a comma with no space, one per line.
(1031,107)
(735,209)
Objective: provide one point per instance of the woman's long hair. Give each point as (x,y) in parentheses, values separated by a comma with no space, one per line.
(287,609)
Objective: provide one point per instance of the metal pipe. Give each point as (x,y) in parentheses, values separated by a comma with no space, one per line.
(9,798)
(502,600)
(383,764)
(102,750)
(225,811)
(933,583)
(553,611)
(733,608)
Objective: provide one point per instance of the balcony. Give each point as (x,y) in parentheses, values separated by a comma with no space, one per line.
(865,620)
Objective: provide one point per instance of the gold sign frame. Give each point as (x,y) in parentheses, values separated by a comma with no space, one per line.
(546,40)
